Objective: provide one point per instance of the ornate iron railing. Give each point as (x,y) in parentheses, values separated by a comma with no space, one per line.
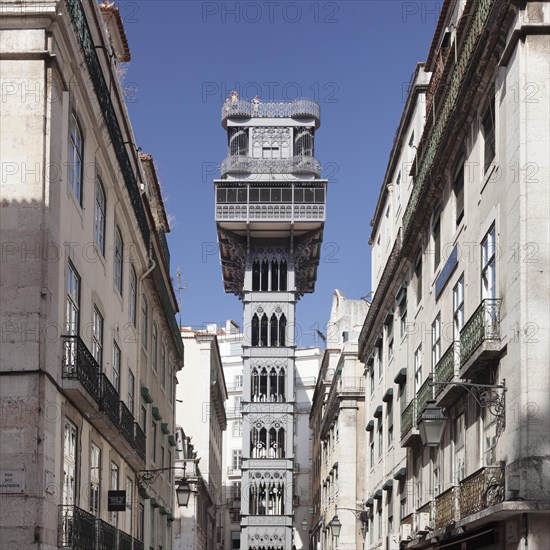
(484,324)
(481,490)
(456,81)
(407,417)
(106,535)
(446,507)
(138,545)
(444,370)
(295,108)
(76,529)
(124,541)
(109,399)
(292,165)
(270,211)
(139,441)
(79,363)
(425,393)
(164,247)
(103,93)
(126,422)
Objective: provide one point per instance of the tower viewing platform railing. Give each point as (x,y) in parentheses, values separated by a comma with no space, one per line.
(241,164)
(296,108)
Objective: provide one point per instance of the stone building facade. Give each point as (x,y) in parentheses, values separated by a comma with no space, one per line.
(90,346)
(456,335)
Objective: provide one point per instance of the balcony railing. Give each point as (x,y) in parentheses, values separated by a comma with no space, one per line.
(106,535)
(126,422)
(425,393)
(445,507)
(109,399)
(271,109)
(293,165)
(139,545)
(79,364)
(233,471)
(139,441)
(351,384)
(270,211)
(481,490)
(164,247)
(483,325)
(124,541)
(407,417)
(76,528)
(445,369)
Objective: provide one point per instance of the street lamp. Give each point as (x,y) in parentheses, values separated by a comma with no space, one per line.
(336,527)
(183,489)
(431,425)
(183,492)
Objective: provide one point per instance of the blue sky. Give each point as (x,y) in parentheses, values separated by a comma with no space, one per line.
(356,58)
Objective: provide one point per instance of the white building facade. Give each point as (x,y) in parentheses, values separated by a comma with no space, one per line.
(270,211)
(461,279)
(89,358)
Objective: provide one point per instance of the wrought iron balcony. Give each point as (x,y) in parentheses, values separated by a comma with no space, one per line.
(424,394)
(106,535)
(139,441)
(445,369)
(76,528)
(109,399)
(139,545)
(126,422)
(244,108)
(446,507)
(79,364)
(483,326)
(407,417)
(481,490)
(124,541)
(240,164)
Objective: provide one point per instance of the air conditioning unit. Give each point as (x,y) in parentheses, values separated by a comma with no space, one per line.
(296,466)
(423,523)
(405,532)
(392,543)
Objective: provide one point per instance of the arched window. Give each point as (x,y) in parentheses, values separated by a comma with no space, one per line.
(281,385)
(256,275)
(265,275)
(273,330)
(99,217)
(282,330)
(262,395)
(119,252)
(263,331)
(274,275)
(255,330)
(282,275)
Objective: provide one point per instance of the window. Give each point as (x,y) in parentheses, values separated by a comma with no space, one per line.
(171,382)
(154,346)
(436,340)
(76,155)
(154,442)
(116,366)
(488,125)
(162,456)
(72,314)
(380,360)
(132,302)
(95,478)
(99,217)
(144,320)
(458,307)
(489,437)
(131,390)
(418,481)
(488,265)
(398,188)
(141,521)
(403,506)
(389,414)
(436,472)
(170,472)
(380,439)
(418,276)
(239,381)
(119,253)
(69,463)
(459,454)
(129,499)
(371,375)
(237,428)
(389,337)
(436,235)
(162,366)
(458,191)
(113,516)
(403,313)
(418,368)
(238,403)
(97,336)
(379,521)
(143,418)
(236,459)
